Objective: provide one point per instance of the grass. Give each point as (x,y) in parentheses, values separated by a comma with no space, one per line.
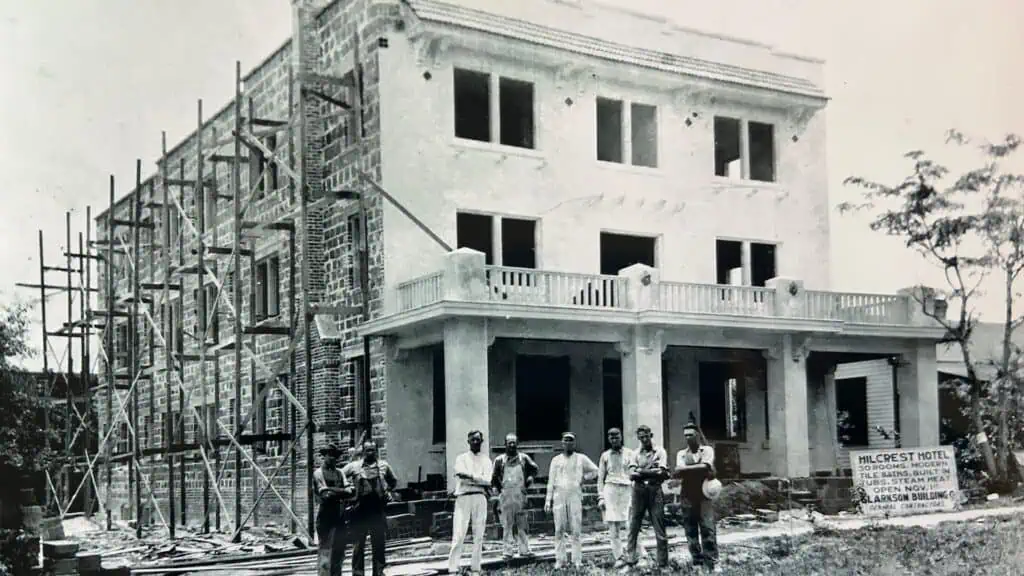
(994,546)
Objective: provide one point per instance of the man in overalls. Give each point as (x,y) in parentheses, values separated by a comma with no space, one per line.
(514,473)
(330,489)
(565,498)
(373,481)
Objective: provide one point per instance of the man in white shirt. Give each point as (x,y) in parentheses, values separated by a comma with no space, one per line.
(614,490)
(694,465)
(565,497)
(648,469)
(472,481)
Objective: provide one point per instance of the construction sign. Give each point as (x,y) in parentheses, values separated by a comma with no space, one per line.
(905,481)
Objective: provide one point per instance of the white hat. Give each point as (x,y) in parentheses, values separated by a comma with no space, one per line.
(711,488)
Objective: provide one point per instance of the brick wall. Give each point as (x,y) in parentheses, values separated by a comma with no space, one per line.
(327,241)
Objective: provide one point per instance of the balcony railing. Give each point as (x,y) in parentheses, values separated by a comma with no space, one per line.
(638,289)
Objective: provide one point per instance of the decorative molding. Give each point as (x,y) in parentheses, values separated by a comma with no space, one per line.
(431,49)
(573,75)
(624,346)
(800,347)
(395,352)
(800,117)
(489,334)
(772,353)
(688,96)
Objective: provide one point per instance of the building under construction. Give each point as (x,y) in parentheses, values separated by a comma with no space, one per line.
(637,216)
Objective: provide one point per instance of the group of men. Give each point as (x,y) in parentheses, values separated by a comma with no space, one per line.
(352,500)
(629,484)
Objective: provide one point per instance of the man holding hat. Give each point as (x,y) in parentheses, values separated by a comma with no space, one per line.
(565,497)
(695,466)
(330,489)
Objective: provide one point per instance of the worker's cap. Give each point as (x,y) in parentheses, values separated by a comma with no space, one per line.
(691,424)
(568,436)
(330,450)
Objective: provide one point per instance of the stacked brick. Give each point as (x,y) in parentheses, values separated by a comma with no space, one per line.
(328,242)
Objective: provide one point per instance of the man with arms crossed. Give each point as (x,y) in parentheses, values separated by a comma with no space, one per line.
(330,489)
(648,470)
(694,465)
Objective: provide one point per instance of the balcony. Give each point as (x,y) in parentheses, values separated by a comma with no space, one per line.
(636,295)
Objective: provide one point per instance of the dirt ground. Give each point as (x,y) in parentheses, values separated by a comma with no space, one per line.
(987,546)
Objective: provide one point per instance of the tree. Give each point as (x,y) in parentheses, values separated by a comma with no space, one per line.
(972,228)
(25,446)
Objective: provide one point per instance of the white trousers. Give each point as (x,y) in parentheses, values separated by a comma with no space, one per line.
(568,512)
(471,508)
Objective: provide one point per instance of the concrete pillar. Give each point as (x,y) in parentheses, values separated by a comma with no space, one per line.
(787,408)
(642,287)
(465,277)
(642,400)
(466,342)
(922,308)
(918,381)
(790,298)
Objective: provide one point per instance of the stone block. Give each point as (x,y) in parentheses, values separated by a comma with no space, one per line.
(59,549)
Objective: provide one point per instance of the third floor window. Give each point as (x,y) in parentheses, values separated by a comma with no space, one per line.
(627,133)
(493,109)
(744,149)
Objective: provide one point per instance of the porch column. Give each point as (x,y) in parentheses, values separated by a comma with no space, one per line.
(918,381)
(642,349)
(466,341)
(787,408)
(642,401)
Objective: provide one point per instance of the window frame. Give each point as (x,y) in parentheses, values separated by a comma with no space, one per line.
(745,148)
(627,142)
(494,80)
(497,233)
(746,258)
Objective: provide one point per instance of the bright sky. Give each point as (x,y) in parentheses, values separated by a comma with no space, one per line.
(87,86)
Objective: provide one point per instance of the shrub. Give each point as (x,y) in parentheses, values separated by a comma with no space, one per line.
(745,497)
(19,552)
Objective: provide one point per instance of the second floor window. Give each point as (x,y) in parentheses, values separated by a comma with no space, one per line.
(268,288)
(744,149)
(627,133)
(263,170)
(493,109)
(745,263)
(514,244)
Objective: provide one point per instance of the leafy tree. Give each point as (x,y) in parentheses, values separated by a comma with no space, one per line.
(972,228)
(26,447)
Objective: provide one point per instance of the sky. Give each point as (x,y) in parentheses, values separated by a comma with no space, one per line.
(87,86)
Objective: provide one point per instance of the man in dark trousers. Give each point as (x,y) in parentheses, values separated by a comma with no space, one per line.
(648,471)
(695,465)
(372,480)
(330,489)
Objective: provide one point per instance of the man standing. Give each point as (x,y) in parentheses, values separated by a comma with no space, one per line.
(565,497)
(472,482)
(513,475)
(694,465)
(614,490)
(330,489)
(648,470)
(373,480)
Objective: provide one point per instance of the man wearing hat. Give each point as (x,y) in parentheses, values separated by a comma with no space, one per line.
(513,475)
(373,480)
(565,497)
(330,489)
(695,466)
(614,491)
(648,471)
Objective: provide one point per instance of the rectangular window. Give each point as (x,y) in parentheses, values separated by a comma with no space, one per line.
(268,288)
(620,251)
(744,149)
(258,422)
(355,243)
(440,433)
(263,169)
(514,245)
(852,411)
(744,263)
(360,388)
(723,410)
(474,117)
(542,393)
(642,142)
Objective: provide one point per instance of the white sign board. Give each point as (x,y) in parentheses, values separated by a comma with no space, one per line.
(906,480)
